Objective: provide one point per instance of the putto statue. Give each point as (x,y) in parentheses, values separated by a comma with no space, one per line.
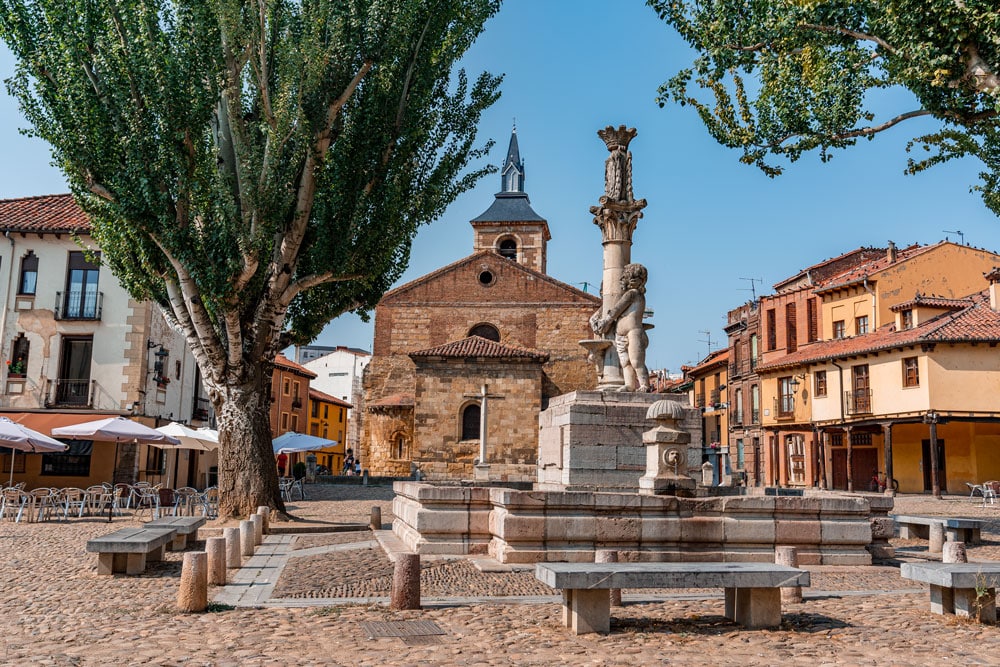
(625,316)
(623,285)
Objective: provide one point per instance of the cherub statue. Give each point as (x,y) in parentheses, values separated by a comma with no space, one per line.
(630,335)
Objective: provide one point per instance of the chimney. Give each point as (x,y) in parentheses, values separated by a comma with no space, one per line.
(890,252)
(994,278)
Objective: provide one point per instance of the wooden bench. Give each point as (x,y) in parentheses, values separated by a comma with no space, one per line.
(956,529)
(128,549)
(752,591)
(964,589)
(184,525)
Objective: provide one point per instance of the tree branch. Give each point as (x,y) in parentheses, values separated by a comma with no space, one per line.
(307,282)
(860,132)
(850,33)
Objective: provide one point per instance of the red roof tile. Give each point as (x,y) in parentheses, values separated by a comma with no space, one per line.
(931,302)
(976,322)
(866,270)
(317,395)
(285,362)
(475,346)
(47,213)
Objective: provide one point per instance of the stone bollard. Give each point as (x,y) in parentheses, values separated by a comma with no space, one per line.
(265,516)
(406,582)
(935,538)
(376,520)
(954,552)
(216,549)
(234,558)
(246,537)
(610,556)
(192,595)
(788,556)
(258,529)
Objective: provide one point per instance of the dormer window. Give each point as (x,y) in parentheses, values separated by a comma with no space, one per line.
(508,249)
(907,318)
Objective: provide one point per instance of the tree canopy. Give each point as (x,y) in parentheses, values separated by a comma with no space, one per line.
(256,167)
(790,76)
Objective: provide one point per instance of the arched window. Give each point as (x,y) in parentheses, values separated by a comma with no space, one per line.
(399,446)
(508,249)
(29,273)
(19,356)
(470,422)
(487,331)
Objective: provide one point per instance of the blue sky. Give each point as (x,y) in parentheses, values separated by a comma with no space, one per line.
(574,66)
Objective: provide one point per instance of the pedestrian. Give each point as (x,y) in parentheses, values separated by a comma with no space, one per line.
(357,467)
(282,463)
(348,463)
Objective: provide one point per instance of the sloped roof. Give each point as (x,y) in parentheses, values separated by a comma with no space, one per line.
(930,302)
(509,207)
(538,275)
(286,363)
(317,395)
(976,322)
(46,213)
(868,269)
(820,271)
(717,358)
(480,348)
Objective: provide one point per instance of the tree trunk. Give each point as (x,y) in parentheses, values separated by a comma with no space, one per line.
(247,474)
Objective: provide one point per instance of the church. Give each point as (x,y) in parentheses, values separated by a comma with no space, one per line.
(491,324)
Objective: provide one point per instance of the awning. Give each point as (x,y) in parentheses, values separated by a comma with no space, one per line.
(44,422)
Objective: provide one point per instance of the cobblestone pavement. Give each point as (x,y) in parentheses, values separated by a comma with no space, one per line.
(58,611)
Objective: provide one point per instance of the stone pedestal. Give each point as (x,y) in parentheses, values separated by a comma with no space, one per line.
(481,472)
(666,452)
(592,440)
(192,593)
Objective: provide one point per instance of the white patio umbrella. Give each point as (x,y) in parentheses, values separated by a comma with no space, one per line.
(203,440)
(299,442)
(24,439)
(117,430)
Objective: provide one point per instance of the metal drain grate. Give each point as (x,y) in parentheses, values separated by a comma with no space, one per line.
(405,629)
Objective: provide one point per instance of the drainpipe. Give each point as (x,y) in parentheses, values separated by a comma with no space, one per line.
(8,306)
(874,309)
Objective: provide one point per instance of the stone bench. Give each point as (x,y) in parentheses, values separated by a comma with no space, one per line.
(752,591)
(128,549)
(956,587)
(956,529)
(184,525)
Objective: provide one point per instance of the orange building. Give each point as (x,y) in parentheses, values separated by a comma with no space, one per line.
(328,419)
(289,396)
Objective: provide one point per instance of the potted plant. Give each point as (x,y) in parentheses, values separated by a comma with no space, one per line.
(15,368)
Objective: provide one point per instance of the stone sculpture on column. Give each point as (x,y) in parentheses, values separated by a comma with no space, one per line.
(618,352)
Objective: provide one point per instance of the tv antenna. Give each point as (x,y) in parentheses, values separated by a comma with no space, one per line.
(752,289)
(961,236)
(707,339)
(586,284)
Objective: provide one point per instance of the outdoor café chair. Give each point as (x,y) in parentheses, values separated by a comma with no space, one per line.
(97,495)
(990,491)
(12,504)
(210,502)
(185,499)
(72,499)
(42,503)
(975,488)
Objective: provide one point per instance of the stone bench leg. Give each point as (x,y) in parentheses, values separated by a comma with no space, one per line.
(135,563)
(587,610)
(179,543)
(156,555)
(963,603)
(105,563)
(754,607)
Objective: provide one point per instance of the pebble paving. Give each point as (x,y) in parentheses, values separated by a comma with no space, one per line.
(56,610)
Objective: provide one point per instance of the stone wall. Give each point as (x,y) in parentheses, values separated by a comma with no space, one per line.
(537,526)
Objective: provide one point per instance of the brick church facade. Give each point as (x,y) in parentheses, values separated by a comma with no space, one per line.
(494,318)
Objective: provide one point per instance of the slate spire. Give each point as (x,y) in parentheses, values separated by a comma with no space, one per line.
(512,172)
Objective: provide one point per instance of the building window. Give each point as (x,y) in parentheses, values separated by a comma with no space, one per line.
(81,287)
(819,383)
(754,351)
(284,421)
(18,364)
(791,334)
(470,422)
(17,465)
(911,372)
(29,274)
(315,410)
(861,325)
(326,411)
(838,329)
(812,314)
(295,422)
(295,392)
(487,331)
(314,429)
(786,397)
(340,416)
(772,334)
(738,401)
(754,404)
(286,387)
(907,319)
(400,446)
(73,386)
(155,461)
(740,456)
(508,249)
(74,462)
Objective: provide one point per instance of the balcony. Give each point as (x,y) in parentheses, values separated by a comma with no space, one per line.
(858,401)
(715,397)
(296,402)
(77,305)
(784,407)
(699,400)
(69,393)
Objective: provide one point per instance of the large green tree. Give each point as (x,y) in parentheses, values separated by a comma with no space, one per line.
(790,76)
(256,167)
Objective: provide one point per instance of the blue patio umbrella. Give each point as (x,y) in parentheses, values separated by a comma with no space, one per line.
(299,442)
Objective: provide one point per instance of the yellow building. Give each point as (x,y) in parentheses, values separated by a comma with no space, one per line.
(707,392)
(328,419)
(915,399)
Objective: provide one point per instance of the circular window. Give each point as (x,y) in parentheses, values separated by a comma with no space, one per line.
(487,331)
(487,278)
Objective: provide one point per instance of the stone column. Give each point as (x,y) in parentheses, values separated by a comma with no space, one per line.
(233,556)
(406,582)
(265,516)
(887,457)
(954,552)
(935,539)
(258,529)
(788,556)
(215,547)
(376,518)
(192,594)
(610,556)
(246,537)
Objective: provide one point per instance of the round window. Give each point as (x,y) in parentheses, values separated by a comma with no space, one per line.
(486,278)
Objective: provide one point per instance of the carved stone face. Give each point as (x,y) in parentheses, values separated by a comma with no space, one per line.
(671,457)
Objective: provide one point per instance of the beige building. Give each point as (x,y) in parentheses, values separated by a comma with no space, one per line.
(494,318)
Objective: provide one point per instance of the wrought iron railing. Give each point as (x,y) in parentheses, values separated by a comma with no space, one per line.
(67,392)
(858,401)
(79,305)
